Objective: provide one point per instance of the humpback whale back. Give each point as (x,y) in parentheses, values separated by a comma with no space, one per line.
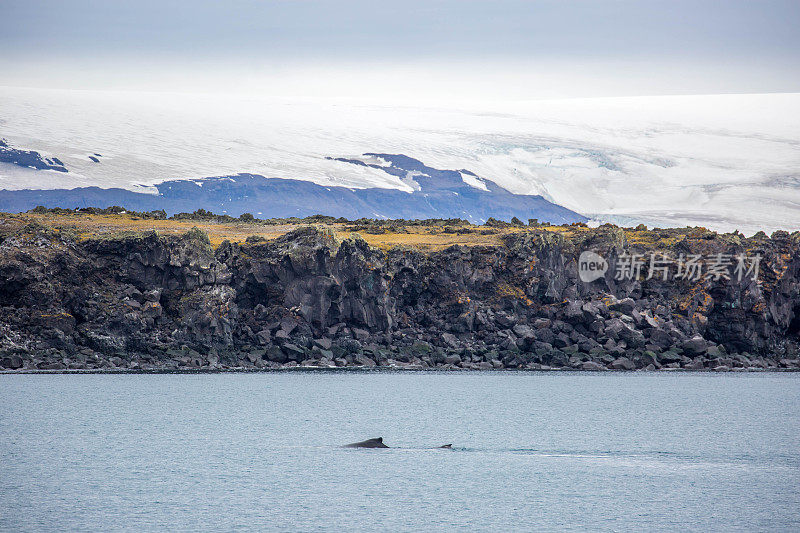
(378,443)
(369,443)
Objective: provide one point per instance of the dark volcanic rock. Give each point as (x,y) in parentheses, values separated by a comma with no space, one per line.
(308,299)
(694,346)
(591,365)
(12,362)
(623,363)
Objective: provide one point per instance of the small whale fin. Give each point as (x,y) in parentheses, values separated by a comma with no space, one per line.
(448,446)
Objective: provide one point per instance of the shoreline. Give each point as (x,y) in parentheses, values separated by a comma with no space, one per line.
(390,369)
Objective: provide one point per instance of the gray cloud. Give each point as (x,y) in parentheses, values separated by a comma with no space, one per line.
(757,42)
(361,29)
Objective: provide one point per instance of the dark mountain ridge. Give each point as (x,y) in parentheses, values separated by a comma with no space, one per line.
(438,194)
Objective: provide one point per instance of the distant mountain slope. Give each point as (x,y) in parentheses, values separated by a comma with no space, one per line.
(28,158)
(436,194)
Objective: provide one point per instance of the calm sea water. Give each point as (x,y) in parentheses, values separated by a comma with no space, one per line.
(531,451)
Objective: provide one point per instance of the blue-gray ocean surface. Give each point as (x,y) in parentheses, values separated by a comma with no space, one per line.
(531,451)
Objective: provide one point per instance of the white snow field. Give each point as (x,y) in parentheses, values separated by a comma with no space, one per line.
(721,161)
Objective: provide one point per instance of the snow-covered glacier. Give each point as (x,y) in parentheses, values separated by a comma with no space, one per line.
(722,161)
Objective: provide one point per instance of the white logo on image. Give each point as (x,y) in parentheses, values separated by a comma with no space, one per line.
(591,266)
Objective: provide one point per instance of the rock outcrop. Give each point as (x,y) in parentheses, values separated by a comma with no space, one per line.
(307,299)
(29,158)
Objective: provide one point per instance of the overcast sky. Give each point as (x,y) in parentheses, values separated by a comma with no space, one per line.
(503,49)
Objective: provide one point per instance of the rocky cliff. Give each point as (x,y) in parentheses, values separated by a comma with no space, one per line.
(307,299)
